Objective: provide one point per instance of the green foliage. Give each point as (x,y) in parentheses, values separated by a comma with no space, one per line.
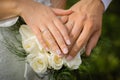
(63,74)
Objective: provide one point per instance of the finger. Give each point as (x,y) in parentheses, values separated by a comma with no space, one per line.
(58,38)
(75,32)
(92,42)
(50,41)
(69,26)
(63,31)
(64,19)
(61,12)
(81,41)
(37,32)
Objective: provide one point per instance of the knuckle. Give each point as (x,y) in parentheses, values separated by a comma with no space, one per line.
(62,44)
(91,23)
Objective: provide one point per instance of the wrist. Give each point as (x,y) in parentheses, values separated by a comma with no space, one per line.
(28,5)
(16,7)
(22,4)
(8,9)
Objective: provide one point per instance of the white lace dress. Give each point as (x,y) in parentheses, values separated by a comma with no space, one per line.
(10,66)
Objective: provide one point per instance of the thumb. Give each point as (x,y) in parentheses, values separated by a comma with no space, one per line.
(61,12)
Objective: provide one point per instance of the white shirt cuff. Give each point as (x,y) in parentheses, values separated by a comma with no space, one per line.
(8,22)
(106,3)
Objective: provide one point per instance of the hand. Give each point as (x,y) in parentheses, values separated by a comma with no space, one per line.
(45,24)
(84,25)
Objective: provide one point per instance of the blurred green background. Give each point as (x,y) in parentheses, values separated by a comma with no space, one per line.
(104,63)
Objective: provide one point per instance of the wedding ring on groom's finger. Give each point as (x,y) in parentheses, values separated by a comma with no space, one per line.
(70,23)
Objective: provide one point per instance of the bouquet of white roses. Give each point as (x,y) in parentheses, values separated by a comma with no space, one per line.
(39,59)
(22,42)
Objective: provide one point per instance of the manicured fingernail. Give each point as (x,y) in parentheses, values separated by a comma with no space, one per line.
(58,52)
(69,57)
(68,42)
(65,50)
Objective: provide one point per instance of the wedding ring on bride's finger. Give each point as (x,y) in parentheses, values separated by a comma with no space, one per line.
(44,30)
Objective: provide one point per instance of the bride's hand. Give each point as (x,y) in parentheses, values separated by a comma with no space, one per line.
(84,25)
(45,24)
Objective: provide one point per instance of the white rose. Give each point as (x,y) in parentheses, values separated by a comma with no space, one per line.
(39,63)
(30,57)
(55,61)
(29,40)
(39,59)
(25,32)
(48,57)
(74,63)
(30,44)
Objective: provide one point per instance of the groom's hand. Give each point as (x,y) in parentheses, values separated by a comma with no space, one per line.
(84,25)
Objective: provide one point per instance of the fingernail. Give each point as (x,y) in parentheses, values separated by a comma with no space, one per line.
(68,42)
(58,52)
(65,50)
(69,57)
